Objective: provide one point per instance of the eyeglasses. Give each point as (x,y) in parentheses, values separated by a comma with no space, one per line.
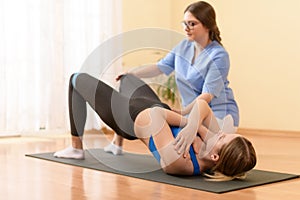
(189,24)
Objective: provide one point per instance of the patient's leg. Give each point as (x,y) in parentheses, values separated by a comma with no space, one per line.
(102,98)
(130,87)
(133,87)
(77,113)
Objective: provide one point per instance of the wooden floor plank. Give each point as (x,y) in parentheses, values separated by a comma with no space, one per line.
(28,178)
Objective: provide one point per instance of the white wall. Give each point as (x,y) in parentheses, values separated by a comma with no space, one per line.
(262,38)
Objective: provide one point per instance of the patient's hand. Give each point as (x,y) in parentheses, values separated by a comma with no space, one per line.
(185,138)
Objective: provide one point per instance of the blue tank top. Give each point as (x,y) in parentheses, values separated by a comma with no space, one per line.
(175,131)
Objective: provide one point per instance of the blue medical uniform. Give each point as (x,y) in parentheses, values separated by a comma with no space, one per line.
(208,74)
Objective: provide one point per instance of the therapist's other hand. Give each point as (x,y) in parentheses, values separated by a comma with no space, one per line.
(181,112)
(176,110)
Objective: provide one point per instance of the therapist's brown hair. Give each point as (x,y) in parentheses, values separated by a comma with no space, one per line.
(205,13)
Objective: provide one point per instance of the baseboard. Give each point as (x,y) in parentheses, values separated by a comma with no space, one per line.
(246,131)
(8,134)
(253,131)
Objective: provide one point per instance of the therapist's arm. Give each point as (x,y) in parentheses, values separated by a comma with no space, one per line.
(205,96)
(146,71)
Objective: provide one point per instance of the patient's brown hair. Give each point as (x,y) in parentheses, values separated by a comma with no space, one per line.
(235,159)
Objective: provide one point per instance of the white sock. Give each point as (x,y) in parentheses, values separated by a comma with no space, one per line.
(114,149)
(70,152)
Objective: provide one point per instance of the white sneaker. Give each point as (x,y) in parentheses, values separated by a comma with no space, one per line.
(114,149)
(70,152)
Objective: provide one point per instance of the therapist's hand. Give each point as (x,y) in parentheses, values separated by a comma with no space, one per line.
(119,76)
(122,74)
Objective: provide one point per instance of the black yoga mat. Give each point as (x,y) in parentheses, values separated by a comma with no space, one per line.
(146,167)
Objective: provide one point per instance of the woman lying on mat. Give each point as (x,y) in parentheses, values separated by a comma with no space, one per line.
(183,146)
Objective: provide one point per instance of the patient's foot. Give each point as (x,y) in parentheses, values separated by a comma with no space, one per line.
(70,152)
(114,149)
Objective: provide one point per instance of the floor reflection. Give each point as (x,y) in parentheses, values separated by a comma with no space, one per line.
(78,187)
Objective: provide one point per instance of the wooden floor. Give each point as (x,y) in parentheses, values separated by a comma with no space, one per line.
(28,178)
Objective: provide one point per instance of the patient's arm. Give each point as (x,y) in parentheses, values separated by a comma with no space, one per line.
(200,114)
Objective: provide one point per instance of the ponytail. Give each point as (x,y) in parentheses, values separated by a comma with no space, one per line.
(214,34)
(218,177)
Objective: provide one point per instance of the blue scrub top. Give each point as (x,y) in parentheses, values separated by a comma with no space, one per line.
(208,74)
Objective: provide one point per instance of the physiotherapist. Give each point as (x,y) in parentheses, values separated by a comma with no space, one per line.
(201,65)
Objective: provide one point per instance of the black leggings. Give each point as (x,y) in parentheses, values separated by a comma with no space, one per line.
(118,110)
